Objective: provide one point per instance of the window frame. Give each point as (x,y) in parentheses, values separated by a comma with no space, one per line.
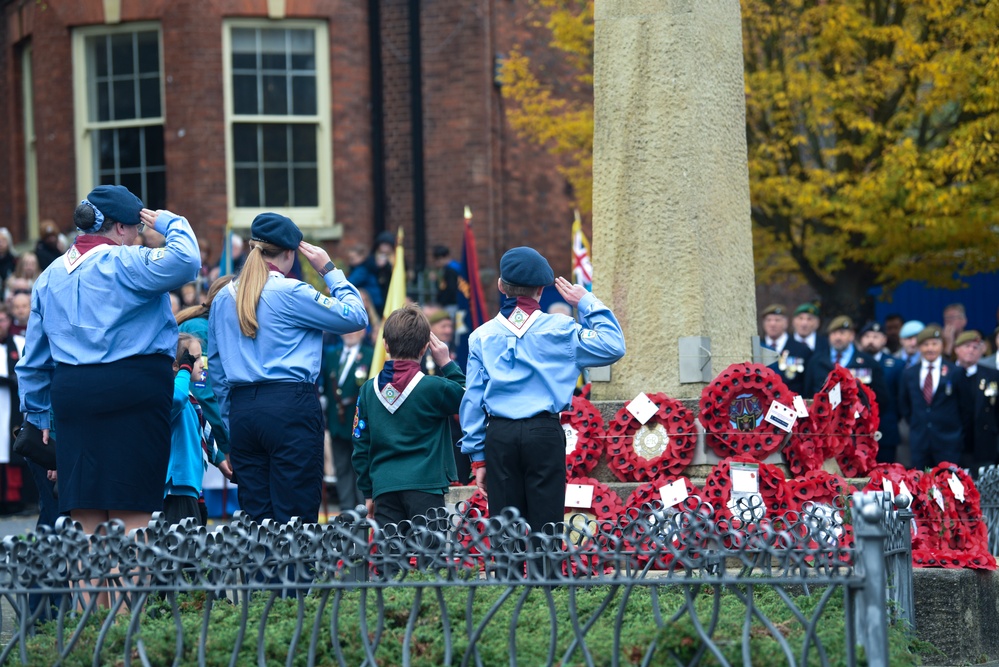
(320,218)
(30,142)
(86,168)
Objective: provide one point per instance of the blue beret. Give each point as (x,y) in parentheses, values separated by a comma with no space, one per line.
(911,328)
(117,203)
(526,267)
(276,229)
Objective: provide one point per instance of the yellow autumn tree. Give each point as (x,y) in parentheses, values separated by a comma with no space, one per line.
(872,128)
(557,112)
(872,152)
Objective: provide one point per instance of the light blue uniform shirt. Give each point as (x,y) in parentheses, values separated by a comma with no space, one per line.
(517,378)
(292,316)
(845,358)
(112,304)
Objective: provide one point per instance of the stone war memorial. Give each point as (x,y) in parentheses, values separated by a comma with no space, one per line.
(697,482)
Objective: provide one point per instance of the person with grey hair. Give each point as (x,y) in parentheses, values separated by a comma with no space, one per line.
(8,260)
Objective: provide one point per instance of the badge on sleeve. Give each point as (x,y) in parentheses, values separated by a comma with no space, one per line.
(323,301)
(157,254)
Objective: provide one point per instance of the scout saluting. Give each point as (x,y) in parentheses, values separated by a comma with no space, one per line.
(522,369)
(99,356)
(265,344)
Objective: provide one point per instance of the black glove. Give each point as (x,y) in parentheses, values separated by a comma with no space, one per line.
(187,360)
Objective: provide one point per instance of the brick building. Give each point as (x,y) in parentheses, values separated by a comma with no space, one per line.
(344,114)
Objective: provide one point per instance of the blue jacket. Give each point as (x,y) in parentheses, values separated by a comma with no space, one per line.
(288,347)
(188,460)
(202,390)
(517,376)
(108,304)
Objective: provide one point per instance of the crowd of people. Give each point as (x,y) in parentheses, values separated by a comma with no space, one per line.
(935,385)
(141,369)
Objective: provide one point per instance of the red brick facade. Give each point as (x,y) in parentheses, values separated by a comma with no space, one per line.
(471,156)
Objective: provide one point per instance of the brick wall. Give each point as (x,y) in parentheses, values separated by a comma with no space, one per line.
(471,156)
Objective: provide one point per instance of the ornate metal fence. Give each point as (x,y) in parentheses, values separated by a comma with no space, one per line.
(359,593)
(988,487)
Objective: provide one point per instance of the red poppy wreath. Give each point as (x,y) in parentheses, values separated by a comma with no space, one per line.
(733,408)
(645,541)
(584,437)
(639,452)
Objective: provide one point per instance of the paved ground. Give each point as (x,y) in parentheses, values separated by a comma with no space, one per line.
(17,525)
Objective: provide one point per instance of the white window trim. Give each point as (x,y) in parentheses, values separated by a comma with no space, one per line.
(85,176)
(318,218)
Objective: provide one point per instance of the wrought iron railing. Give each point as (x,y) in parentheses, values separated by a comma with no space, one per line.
(464,579)
(988,486)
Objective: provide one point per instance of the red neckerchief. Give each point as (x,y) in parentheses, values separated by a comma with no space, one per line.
(399,373)
(271,267)
(526,304)
(87,242)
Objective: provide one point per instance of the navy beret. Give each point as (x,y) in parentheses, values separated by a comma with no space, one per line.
(117,203)
(525,267)
(276,229)
(871,326)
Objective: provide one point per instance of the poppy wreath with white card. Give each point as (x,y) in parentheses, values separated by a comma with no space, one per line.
(809,446)
(642,502)
(585,433)
(829,426)
(956,533)
(856,447)
(605,508)
(896,475)
(778,498)
(733,407)
(664,444)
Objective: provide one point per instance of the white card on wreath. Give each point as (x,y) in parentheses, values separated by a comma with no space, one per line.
(579,495)
(888,486)
(745,478)
(571,438)
(642,408)
(937,496)
(673,493)
(800,408)
(781,416)
(903,490)
(835,396)
(956,487)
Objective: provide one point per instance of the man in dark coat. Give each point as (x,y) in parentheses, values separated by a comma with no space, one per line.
(873,341)
(345,368)
(981,442)
(934,400)
(794,355)
(841,351)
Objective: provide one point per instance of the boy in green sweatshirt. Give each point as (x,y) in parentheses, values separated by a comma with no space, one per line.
(402,437)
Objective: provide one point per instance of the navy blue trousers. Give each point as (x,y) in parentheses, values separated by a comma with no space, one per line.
(276,434)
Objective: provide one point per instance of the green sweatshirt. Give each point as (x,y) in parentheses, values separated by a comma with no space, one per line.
(410,449)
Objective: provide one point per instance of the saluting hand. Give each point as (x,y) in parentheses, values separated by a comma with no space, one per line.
(148,217)
(317,256)
(439,351)
(571,293)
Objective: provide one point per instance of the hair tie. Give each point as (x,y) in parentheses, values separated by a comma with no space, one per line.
(98,216)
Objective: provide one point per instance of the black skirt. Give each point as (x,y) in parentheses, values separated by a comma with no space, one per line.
(112,430)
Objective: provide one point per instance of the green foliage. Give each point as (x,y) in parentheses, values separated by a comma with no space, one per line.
(532,627)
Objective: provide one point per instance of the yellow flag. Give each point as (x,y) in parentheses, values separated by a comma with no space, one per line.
(395,299)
